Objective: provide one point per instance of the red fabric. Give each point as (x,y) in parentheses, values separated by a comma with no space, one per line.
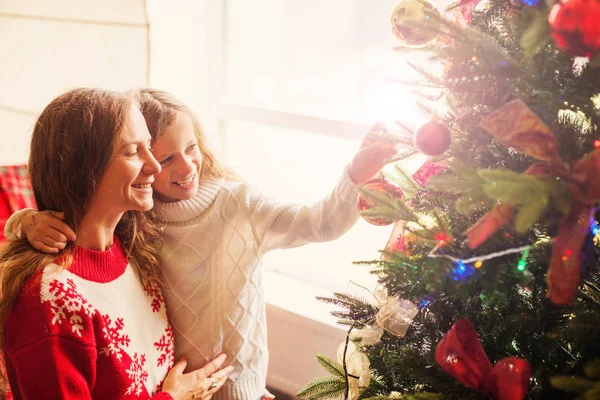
(461,355)
(67,348)
(15,193)
(100,266)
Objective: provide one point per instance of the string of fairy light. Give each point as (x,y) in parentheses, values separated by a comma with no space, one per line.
(462,271)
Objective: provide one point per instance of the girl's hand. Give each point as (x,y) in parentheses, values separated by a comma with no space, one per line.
(376,148)
(199,384)
(46,231)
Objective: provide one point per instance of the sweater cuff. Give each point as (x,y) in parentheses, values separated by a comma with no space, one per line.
(12,229)
(348,190)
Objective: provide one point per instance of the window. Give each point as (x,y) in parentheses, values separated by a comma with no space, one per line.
(302,82)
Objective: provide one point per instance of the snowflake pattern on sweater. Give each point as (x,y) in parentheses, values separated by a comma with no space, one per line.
(118,341)
(138,374)
(65,302)
(166,347)
(153,290)
(88,335)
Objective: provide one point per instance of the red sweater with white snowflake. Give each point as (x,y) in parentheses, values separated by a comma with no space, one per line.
(90,332)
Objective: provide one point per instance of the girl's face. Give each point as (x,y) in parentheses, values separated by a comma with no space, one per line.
(126,184)
(181,161)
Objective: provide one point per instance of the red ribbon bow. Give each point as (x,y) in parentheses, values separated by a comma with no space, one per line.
(516,126)
(461,355)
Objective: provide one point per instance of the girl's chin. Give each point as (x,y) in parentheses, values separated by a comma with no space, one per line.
(178,193)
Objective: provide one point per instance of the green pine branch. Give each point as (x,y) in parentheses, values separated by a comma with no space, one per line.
(327,387)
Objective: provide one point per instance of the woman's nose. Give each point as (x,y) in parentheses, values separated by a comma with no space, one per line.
(151,166)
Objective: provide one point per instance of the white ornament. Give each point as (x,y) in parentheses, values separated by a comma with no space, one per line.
(357,364)
(349,351)
(381,293)
(354,390)
(369,335)
(396,315)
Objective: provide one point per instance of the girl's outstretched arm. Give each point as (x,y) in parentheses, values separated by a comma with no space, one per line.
(277,225)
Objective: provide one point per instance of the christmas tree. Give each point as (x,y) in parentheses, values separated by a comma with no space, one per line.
(489,285)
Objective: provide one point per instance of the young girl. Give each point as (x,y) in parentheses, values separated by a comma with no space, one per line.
(216,230)
(90,324)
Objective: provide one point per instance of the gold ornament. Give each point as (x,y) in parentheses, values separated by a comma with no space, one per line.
(415,23)
(396,315)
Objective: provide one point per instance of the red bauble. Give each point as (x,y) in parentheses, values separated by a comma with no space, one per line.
(382,186)
(432,138)
(575,26)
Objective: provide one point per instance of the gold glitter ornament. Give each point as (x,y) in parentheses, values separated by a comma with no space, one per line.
(415,23)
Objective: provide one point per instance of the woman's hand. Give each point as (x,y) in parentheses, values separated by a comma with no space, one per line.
(199,384)
(377,147)
(46,231)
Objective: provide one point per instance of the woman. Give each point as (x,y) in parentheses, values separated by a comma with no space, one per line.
(91,323)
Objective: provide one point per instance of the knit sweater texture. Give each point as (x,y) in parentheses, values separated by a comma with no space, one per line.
(211,256)
(92,331)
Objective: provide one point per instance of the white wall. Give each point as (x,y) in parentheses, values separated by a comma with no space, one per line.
(180,42)
(48,47)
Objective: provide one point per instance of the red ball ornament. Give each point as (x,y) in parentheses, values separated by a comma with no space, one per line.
(432,138)
(381,186)
(575,26)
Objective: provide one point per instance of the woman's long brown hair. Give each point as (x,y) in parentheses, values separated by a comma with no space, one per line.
(74,139)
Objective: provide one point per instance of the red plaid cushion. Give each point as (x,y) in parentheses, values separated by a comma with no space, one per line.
(15,192)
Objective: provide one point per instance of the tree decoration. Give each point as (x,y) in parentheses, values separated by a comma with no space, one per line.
(357,363)
(521,252)
(368,335)
(516,126)
(415,23)
(467,7)
(461,271)
(461,355)
(398,241)
(428,170)
(372,201)
(575,27)
(396,315)
(432,139)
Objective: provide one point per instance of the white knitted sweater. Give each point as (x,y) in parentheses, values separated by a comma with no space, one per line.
(211,258)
